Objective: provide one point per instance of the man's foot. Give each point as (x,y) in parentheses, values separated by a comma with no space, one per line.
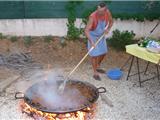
(100,70)
(96,77)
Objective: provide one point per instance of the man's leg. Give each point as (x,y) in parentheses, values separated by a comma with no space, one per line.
(100,59)
(94,61)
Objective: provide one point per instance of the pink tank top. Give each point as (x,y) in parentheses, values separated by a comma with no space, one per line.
(95,18)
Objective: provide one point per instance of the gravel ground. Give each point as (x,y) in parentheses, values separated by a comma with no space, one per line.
(130,102)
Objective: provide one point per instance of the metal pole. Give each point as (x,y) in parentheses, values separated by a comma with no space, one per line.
(146,68)
(130,67)
(139,77)
(152,30)
(157,66)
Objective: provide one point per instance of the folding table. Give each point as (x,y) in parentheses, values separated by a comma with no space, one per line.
(141,53)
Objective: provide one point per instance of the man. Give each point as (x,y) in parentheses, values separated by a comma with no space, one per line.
(95,27)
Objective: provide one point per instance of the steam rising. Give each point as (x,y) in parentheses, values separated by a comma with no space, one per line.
(44,90)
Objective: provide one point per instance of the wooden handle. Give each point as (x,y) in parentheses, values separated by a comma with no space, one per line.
(86,55)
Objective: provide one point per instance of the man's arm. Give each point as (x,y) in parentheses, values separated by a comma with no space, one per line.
(110,21)
(87,30)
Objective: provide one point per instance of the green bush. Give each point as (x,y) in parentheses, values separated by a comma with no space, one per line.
(120,39)
(48,38)
(27,40)
(73,32)
(13,38)
(2,36)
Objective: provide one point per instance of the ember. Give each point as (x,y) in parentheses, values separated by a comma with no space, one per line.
(85,114)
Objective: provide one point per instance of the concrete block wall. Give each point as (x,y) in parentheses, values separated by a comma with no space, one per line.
(57,27)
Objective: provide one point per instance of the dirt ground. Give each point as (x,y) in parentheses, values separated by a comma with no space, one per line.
(130,102)
(55,52)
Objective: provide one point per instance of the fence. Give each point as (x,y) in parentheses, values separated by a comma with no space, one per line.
(57,9)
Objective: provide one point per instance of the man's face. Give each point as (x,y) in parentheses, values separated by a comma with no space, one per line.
(101,11)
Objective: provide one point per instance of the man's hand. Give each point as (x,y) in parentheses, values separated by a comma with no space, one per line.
(93,45)
(106,31)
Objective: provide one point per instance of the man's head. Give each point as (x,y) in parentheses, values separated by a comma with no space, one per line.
(101,8)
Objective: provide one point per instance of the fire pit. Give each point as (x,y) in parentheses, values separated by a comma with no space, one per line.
(85,114)
(44,100)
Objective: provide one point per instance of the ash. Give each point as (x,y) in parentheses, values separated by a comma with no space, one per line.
(17,61)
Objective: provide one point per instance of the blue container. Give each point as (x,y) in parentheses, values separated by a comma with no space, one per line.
(114,74)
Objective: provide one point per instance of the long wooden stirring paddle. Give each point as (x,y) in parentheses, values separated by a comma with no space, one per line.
(62,86)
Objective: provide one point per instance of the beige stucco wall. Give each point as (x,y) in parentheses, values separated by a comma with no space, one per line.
(57,27)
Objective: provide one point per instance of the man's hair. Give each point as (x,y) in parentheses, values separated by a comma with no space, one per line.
(102,4)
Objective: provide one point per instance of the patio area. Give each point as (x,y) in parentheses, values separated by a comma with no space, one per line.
(130,102)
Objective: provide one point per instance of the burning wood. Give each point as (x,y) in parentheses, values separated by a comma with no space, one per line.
(85,114)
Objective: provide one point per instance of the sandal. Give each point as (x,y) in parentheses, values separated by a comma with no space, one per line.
(96,77)
(101,70)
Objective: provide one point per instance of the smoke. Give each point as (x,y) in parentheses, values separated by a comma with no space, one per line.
(43,89)
(34,76)
(47,95)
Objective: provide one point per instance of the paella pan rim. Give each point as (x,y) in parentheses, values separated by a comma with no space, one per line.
(61,111)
